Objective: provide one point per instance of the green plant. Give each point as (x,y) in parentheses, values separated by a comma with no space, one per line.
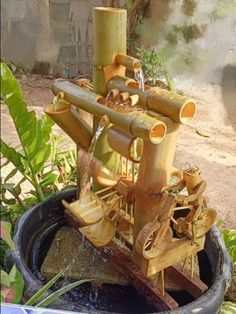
(230,242)
(12,284)
(33,133)
(37,297)
(154,67)
(228,308)
(38,159)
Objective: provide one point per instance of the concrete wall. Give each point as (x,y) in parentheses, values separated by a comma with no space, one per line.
(205,57)
(60,32)
(54,31)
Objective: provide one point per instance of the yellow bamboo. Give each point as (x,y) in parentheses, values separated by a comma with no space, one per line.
(109,39)
(129,62)
(71,123)
(125,144)
(137,123)
(179,108)
(154,172)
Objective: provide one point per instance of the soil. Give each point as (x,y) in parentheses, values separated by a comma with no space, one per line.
(214,153)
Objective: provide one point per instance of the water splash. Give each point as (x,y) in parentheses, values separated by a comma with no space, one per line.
(139,77)
(85,175)
(93,296)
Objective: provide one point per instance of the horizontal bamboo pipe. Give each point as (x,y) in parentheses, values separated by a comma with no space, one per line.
(96,169)
(180,109)
(137,123)
(70,122)
(125,144)
(129,62)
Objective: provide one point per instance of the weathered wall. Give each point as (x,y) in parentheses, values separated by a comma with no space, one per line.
(198,37)
(54,31)
(60,32)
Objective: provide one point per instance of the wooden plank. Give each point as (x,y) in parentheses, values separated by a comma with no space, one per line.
(144,286)
(194,286)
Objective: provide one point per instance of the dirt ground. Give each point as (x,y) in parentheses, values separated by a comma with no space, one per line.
(215,154)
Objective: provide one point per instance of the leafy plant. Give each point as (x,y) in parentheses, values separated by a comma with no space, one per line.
(230,242)
(12,284)
(33,133)
(228,308)
(55,295)
(39,158)
(154,67)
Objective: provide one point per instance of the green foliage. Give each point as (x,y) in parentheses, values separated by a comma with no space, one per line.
(228,308)
(187,32)
(45,288)
(55,295)
(5,234)
(230,242)
(154,67)
(38,159)
(33,133)
(12,284)
(188,7)
(222,9)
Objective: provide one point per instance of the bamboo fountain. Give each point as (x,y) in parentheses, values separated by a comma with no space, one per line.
(132,201)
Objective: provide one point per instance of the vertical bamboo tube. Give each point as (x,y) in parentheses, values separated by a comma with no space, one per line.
(154,173)
(109,39)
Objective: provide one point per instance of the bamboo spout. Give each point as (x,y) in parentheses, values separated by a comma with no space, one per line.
(129,62)
(70,122)
(137,123)
(180,109)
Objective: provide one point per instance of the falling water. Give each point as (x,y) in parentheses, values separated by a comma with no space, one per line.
(91,150)
(139,77)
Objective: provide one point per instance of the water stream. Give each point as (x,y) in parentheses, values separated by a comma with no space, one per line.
(85,174)
(139,77)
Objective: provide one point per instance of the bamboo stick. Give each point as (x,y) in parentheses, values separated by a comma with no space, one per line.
(109,39)
(154,172)
(129,62)
(125,144)
(70,122)
(179,108)
(137,123)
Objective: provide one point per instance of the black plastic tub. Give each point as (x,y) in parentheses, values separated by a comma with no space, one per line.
(36,229)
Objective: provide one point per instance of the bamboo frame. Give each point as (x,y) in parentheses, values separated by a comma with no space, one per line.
(70,122)
(129,62)
(137,123)
(154,172)
(180,109)
(125,144)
